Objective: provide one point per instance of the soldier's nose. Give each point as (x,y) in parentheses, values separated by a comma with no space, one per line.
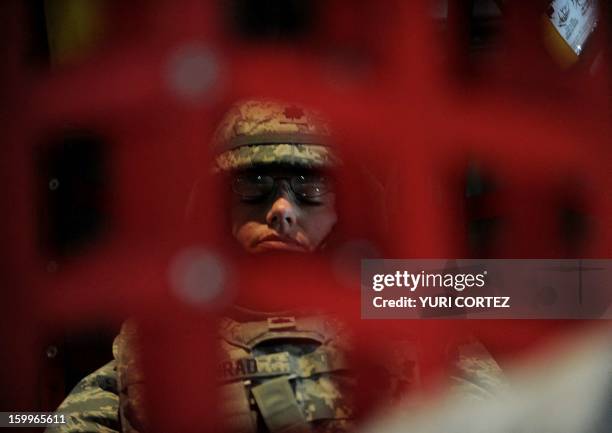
(282,215)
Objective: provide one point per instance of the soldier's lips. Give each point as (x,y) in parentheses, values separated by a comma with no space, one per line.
(279,243)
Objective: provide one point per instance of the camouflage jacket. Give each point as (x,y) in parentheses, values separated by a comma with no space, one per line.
(93,404)
(281,374)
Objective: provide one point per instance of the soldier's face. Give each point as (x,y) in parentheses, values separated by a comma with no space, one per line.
(276,209)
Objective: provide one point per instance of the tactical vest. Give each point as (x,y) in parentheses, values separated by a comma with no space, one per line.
(288,374)
(285,374)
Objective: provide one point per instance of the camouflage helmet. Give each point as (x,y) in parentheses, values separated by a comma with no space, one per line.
(257,132)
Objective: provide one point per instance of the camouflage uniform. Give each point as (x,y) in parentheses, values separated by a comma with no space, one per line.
(283,372)
(279,374)
(93,404)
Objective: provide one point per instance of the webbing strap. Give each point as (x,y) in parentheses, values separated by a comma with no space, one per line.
(278,406)
(323,360)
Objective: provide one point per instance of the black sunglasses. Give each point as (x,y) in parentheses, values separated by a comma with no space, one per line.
(258,186)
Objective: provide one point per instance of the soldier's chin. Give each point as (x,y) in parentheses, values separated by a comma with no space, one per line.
(278,246)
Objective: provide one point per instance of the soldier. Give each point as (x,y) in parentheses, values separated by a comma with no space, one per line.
(277,158)
(278,373)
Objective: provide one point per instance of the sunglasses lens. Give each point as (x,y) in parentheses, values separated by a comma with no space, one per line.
(252,187)
(310,186)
